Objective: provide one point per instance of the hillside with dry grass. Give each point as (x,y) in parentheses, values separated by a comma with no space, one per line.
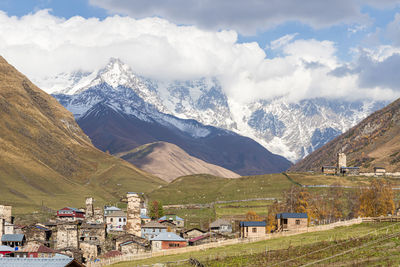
(375,141)
(45,156)
(168,161)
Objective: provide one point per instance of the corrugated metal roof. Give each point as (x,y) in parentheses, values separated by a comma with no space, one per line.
(70,208)
(12,238)
(171,217)
(6,248)
(167,236)
(154,224)
(219,223)
(35,262)
(253,224)
(286,215)
(112,208)
(142,216)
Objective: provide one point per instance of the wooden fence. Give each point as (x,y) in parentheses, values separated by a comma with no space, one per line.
(127,257)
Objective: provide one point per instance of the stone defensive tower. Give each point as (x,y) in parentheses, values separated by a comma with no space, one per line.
(89,208)
(5,213)
(133,223)
(341,160)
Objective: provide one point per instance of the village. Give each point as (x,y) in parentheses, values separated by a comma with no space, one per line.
(90,233)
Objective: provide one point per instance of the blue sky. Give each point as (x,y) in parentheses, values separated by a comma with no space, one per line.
(340,33)
(258,49)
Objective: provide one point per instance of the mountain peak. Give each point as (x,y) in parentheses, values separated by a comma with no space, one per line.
(115,74)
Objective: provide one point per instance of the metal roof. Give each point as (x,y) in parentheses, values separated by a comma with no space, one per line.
(171,217)
(6,248)
(350,168)
(35,262)
(12,238)
(286,215)
(117,213)
(73,209)
(167,236)
(253,224)
(154,224)
(142,216)
(219,223)
(111,208)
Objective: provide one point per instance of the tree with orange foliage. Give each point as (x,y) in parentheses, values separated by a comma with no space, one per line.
(253,216)
(376,200)
(274,209)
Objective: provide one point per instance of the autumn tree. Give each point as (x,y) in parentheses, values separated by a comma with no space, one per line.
(156,210)
(253,216)
(274,209)
(377,199)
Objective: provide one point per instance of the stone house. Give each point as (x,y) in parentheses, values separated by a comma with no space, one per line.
(252,229)
(116,220)
(291,221)
(89,250)
(207,238)
(192,233)
(167,240)
(110,209)
(92,233)
(67,235)
(37,233)
(221,226)
(152,229)
(171,227)
(175,219)
(131,244)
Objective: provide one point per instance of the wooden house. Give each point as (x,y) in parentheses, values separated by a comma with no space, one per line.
(329,170)
(291,221)
(252,229)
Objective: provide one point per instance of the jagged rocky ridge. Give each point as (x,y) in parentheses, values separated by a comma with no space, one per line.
(292,130)
(120,112)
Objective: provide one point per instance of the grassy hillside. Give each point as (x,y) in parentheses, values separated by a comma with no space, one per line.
(290,251)
(45,156)
(207,188)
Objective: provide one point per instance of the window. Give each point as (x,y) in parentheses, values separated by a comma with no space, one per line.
(124,219)
(111,219)
(297,222)
(173,245)
(254,230)
(120,220)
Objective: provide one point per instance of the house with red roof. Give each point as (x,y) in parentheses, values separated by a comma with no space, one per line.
(70,214)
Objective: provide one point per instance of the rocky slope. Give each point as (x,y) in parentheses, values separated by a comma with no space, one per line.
(168,161)
(292,130)
(374,142)
(46,157)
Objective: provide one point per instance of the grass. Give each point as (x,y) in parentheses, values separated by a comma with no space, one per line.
(306,239)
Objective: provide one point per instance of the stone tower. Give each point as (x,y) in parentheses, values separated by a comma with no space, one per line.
(133,223)
(341,160)
(89,208)
(5,213)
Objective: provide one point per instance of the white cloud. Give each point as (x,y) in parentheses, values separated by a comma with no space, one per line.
(42,45)
(248,16)
(279,43)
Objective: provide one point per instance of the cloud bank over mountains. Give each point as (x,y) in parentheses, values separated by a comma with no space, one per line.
(42,45)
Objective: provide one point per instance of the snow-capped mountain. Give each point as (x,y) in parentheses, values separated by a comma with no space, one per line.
(292,130)
(120,111)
